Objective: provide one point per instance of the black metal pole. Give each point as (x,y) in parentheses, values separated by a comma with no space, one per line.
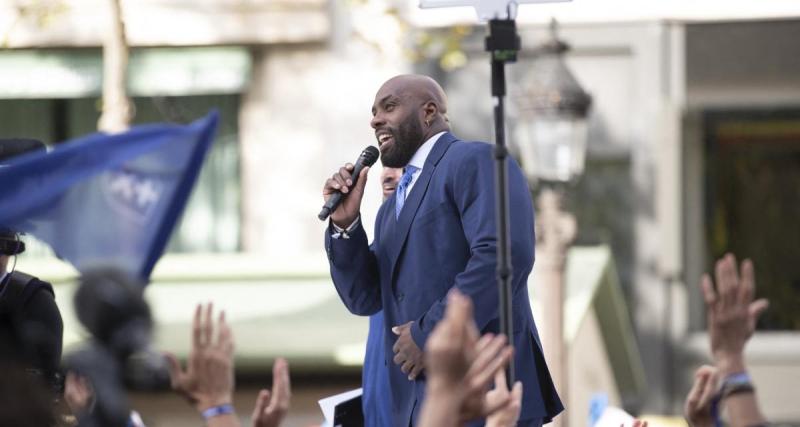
(503,44)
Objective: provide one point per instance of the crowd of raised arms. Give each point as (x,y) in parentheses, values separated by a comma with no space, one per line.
(466,371)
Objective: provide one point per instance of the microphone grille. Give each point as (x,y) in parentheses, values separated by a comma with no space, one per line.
(370,155)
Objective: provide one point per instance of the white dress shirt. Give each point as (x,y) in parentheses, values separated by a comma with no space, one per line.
(418,160)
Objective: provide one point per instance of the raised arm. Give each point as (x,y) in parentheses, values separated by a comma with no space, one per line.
(207,383)
(732,316)
(353,265)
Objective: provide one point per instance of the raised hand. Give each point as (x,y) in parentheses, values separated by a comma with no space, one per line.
(509,403)
(449,350)
(731,312)
(348,209)
(460,367)
(489,356)
(78,393)
(697,408)
(207,380)
(271,406)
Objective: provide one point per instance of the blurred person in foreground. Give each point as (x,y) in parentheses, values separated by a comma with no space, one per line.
(207,383)
(732,315)
(460,366)
(31,328)
(437,233)
(24,399)
(80,399)
(376,400)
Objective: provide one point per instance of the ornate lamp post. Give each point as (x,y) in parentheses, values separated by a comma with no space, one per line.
(552,145)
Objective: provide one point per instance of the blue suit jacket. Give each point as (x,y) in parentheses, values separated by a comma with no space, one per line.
(446,237)
(376,399)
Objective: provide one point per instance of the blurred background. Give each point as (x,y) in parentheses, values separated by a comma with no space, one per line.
(691,147)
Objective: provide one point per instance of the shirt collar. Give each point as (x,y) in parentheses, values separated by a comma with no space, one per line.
(418,160)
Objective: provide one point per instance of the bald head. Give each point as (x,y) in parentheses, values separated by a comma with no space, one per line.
(422,89)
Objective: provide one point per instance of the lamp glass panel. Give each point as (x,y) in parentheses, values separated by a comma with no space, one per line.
(555,148)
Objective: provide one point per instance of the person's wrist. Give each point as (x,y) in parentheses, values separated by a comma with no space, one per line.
(730,363)
(440,394)
(206,403)
(223,411)
(343,223)
(442,386)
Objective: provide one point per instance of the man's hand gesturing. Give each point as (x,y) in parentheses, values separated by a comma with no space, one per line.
(348,209)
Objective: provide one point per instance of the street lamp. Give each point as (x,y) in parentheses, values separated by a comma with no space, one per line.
(553,109)
(552,136)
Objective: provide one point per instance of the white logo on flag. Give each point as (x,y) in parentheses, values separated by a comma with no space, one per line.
(133,193)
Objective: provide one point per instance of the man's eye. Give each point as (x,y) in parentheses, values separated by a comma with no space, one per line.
(389,107)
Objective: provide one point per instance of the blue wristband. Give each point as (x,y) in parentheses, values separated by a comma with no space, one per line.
(736,379)
(715,411)
(731,380)
(216,411)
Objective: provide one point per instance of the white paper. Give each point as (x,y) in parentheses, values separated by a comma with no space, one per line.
(614,417)
(328,404)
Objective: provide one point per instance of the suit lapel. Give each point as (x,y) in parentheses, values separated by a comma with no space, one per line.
(414,198)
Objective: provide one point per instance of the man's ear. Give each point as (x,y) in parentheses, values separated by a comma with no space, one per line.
(431,110)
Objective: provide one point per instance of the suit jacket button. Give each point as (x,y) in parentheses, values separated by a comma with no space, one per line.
(400,297)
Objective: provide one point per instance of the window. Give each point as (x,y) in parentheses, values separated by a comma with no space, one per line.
(752,202)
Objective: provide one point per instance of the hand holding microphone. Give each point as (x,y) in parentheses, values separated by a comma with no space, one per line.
(344,190)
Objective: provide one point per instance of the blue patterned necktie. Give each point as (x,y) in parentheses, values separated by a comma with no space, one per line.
(405,180)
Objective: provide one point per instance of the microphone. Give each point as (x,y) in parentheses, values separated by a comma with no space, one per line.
(368,157)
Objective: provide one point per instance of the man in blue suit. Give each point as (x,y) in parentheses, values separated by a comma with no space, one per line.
(438,232)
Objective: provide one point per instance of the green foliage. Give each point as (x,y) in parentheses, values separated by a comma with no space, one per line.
(445,46)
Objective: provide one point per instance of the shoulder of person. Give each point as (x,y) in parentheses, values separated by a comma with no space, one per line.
(32,285)
(461,150)
(477,152)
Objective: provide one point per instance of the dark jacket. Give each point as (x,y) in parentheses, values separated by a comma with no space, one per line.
(31,329)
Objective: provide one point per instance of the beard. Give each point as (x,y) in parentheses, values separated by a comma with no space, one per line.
(407,139)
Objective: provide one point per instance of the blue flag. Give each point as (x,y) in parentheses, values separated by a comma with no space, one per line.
(107,200)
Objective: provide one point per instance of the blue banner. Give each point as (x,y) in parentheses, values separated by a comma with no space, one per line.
(107,200)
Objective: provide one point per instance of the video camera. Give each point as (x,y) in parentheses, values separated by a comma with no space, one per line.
(110,304)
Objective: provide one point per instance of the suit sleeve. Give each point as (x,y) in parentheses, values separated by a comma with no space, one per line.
(354,271)
(474,195)
(44,329)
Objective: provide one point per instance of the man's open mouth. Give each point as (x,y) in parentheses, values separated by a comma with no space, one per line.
(383,137)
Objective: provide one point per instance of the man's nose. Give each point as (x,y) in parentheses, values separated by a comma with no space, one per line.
(377,121)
